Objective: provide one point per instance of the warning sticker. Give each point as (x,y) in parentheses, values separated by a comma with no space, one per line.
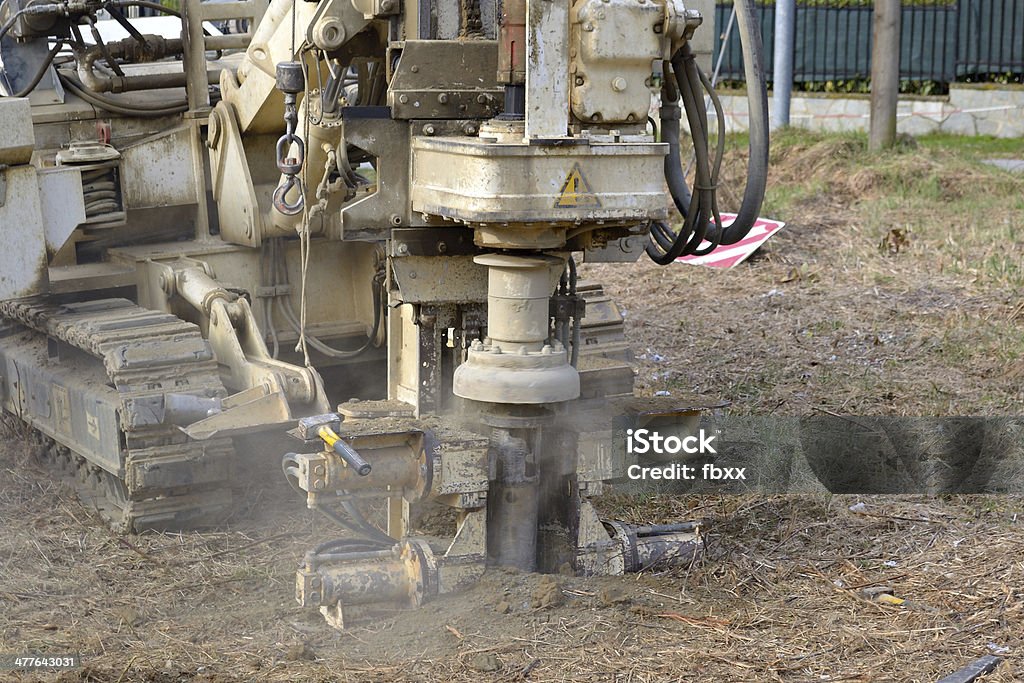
(576,192)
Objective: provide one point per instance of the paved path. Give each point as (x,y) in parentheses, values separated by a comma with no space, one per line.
(1015,165)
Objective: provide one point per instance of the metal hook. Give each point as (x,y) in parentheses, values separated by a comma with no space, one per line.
(280,201)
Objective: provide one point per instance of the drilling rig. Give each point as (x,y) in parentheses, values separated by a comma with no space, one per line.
(355,223)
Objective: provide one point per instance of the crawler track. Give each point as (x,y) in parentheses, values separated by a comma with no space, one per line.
(85,375)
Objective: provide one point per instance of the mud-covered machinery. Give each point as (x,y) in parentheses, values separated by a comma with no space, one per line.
(356,221)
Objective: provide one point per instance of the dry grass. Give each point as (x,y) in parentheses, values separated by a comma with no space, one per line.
(779,597)
(897,281)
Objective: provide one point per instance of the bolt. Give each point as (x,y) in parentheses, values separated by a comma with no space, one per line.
(404,99)
(588,27)
(396,219)
(403,248)
(523,351)
(619,84)
(314,597)
(496,350)
(546,350)
(315,582)
(443,98)
(412,275)
(319,470)
(318,484)
(469,128)
(429,129)
(442,247)
(579,80)
(386,5)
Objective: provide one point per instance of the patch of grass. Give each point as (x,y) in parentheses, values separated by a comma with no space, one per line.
(976,146)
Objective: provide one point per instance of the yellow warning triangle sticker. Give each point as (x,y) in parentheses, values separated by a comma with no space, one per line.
(576,192)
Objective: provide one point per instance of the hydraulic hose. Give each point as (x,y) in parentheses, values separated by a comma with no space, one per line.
(354,522)
(757,103)
(701,219)
(123,108)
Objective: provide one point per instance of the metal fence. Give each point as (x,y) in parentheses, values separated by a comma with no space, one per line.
(962,40)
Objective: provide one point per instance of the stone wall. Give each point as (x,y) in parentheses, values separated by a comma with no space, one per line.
(968,110)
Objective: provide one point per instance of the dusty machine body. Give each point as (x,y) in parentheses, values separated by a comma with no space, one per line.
(354,220)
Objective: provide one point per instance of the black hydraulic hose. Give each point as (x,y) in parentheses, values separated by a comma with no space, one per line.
(702,220)
(685,67)
(665,245)
(340,520)
(674,175)
(368,528)
(757,104)
(371,533)
(75,86)
(358,524)
(350,549)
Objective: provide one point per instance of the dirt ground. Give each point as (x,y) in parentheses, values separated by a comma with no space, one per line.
(889,292)
(780,596)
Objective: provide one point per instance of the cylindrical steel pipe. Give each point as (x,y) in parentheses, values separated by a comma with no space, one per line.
(512,511)
(782,85)
(231,41)
(518,291)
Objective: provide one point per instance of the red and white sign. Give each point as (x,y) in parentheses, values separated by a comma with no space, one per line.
(729,256)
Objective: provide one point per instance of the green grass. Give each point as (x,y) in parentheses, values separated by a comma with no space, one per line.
(973,147)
